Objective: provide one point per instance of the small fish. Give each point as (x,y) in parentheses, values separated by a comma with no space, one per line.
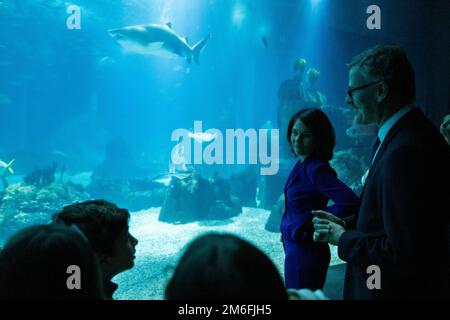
(59,153)
(202,136)
(6,167)
(106,61)
(264,41)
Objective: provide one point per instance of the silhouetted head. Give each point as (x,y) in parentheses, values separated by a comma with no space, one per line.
(381,81)
(36,264)
(310,133)
(223,266)
(105,225)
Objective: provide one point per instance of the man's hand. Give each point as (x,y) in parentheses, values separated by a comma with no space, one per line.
(328,216)
(328,227)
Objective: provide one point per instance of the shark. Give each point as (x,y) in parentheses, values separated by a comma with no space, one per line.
(158,40)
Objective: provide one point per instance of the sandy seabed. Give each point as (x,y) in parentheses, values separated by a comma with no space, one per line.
(161,245)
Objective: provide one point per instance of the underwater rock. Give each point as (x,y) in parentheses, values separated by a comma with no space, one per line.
(194,199)
(135,194)
(341,118)
(135,201)
(276,214)
(350,166)
(118,163)
(244,184)
(41,177)
(270,187)
(105,188)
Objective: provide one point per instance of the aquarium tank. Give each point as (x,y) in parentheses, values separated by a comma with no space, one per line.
(178,111)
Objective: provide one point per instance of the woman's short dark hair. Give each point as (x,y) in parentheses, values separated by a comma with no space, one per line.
(34,265)
(324,138)
(223,266)
(101,221)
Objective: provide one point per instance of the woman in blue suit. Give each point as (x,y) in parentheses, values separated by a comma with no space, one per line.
(311,184)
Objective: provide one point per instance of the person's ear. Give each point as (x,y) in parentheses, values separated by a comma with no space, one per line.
(382,91)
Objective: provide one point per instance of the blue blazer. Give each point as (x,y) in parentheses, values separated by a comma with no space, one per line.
(309,187)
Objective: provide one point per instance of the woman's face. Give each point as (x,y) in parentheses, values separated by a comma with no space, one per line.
(301,140)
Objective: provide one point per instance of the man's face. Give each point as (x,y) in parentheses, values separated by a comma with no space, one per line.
(363,100)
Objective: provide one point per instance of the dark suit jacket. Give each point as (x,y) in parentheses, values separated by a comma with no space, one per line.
(402,222)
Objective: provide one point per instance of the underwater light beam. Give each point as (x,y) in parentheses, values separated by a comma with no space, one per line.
(238,15)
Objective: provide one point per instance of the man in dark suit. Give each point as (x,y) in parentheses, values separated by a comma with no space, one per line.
(396,246)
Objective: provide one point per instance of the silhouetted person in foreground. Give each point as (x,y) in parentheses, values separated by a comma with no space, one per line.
(224,267)
(49,262)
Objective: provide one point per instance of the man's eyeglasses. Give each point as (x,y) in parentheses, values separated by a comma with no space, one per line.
(350,91)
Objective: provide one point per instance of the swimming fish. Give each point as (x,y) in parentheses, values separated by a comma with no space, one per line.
(264,41)
(202,136)
(159,40)
(6,167)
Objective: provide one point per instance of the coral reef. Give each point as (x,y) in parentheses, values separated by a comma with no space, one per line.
(22,204)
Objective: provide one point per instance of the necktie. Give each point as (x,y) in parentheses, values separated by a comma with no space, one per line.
(374,148)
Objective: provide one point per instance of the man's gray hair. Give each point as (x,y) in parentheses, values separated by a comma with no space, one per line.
(390,64)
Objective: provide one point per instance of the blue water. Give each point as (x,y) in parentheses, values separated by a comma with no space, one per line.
(69,92)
